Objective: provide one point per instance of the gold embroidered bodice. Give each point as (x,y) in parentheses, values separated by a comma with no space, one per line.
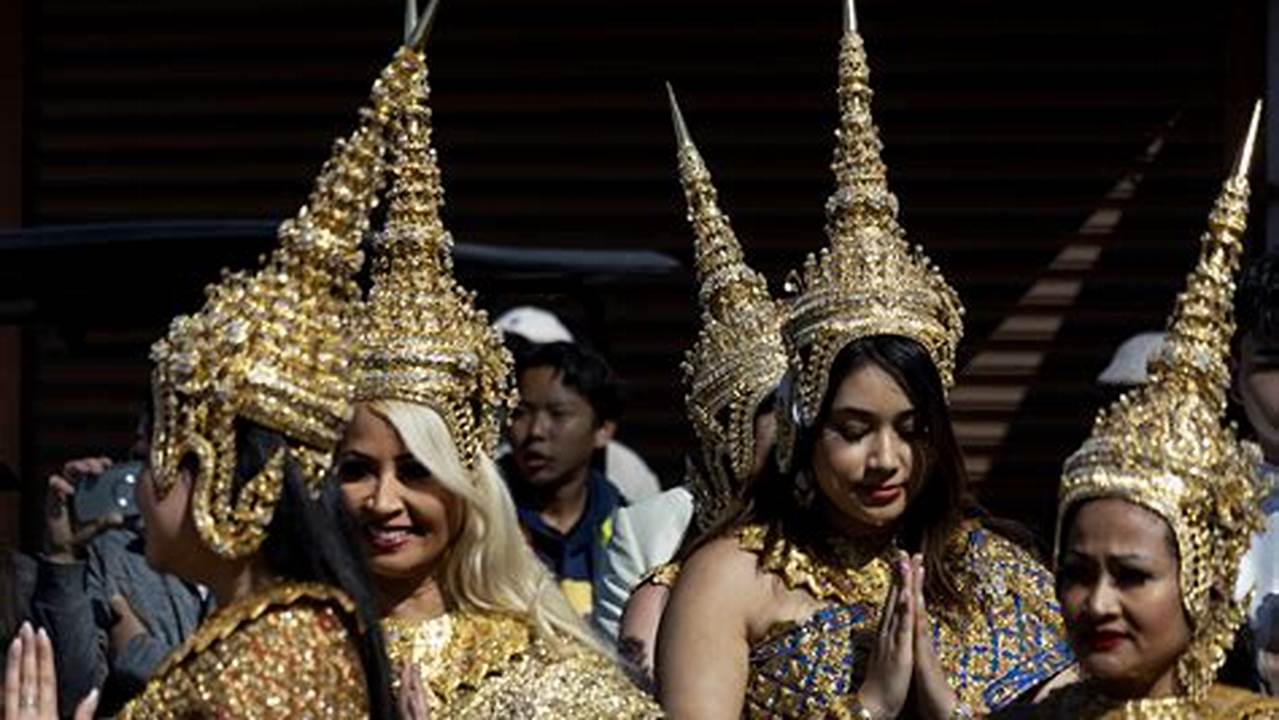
(1081,702)
(283,653)
(1008,640)
(493,666)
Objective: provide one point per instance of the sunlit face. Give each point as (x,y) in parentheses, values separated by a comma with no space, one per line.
(408,519)
(863,459)
(1259,390)
(1119,592)
(554,432)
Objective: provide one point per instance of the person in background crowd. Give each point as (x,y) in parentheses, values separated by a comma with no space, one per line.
(110,617)
(17,586)
(569,403)
(524,327)
(17,574)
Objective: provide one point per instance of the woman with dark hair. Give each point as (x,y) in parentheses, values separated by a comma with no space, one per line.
(1156,511)
(859,569)
(251,397)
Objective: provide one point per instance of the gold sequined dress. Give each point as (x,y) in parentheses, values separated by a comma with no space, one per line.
(282,653)
(1081,702)
(492,666)
(1008,640)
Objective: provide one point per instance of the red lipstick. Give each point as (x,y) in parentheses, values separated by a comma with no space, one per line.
(879,495)
(1104,640)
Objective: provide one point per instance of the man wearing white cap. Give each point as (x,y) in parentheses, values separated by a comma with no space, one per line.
(623,466)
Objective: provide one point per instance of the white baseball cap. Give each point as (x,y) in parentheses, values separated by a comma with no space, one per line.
(533,324)
(1128,366)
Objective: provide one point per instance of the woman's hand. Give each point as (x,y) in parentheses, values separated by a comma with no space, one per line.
(933,693)
(888,676)
(30,682)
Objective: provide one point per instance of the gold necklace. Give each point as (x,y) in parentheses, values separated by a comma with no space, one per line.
(851,574)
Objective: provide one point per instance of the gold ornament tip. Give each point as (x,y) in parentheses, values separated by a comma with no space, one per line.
(682,136)
(419,33)
(850,16)
(1244,161)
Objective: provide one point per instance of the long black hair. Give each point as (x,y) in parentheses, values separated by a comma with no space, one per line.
(932,519)
(311,540)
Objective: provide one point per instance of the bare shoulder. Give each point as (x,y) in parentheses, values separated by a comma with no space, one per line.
(704,639)
(719,582)
(722,571)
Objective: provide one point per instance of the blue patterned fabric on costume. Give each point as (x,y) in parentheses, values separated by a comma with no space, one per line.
(1008,640)
(799,670)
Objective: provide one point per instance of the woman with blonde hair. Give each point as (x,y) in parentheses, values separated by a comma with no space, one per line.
(478,559)
(477,622)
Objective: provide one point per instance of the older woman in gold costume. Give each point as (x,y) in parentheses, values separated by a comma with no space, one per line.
(860,570)
(474,619)
(1156,511)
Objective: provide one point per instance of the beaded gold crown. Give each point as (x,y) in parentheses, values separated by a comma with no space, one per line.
(421,338)
(1166,445)
(738,358)
(271,347)
(868,281)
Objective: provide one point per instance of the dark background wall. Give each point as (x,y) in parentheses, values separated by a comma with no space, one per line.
(1006,128)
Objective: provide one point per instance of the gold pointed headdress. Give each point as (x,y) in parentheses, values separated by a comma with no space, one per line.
(271,347)
(1167,447)
(738,358)
(868,281)
(422,339)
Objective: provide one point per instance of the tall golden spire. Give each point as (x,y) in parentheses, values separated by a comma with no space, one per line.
(738,357)
(1168,447)
(868,281)
(862,197)
(272,347)
(422,339)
